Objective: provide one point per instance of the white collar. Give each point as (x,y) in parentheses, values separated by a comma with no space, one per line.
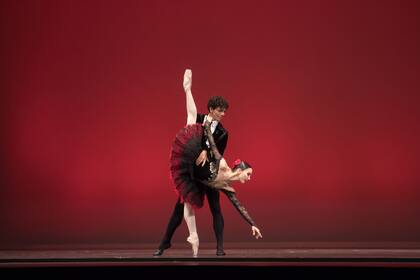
(214,123)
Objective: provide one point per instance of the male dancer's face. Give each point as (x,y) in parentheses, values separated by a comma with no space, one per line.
(217,114)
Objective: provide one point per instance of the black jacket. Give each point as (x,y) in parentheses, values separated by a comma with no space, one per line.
(220,135)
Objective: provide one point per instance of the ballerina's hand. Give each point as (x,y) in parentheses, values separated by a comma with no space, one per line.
(256,232)
(202,158)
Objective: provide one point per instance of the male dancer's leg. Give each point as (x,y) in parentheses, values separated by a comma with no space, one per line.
(173,224)
(213,197)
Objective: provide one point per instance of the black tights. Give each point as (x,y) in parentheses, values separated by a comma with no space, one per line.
(213,197)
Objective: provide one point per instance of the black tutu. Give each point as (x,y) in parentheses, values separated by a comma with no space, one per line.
(184,152)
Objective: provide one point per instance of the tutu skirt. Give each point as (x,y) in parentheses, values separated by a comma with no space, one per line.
(184,151)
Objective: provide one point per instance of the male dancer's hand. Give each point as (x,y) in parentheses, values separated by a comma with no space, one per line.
(202,158)
(256,232)
(187,80)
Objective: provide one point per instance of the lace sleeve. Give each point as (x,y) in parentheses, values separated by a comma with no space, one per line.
(213,146)
(241,209)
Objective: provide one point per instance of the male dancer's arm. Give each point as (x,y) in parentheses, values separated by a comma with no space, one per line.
(222,143)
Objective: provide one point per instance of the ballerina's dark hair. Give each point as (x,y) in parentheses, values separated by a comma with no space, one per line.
(240,164)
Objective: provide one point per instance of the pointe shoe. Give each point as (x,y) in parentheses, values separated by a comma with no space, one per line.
(193,240)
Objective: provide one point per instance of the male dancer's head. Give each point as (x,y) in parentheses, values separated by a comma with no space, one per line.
(217,107)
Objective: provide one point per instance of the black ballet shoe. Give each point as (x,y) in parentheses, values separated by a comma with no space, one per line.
(160,250)
(220,252)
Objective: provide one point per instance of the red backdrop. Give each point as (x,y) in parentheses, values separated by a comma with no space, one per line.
(324,102)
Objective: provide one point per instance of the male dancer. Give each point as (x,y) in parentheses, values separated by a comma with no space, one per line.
(217,107)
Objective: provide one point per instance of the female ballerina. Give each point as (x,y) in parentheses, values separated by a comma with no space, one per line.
(214,172)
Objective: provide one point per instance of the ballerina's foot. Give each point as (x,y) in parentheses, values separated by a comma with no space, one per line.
(193,240)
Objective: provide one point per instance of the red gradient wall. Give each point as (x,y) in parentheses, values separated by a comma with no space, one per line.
(324,102)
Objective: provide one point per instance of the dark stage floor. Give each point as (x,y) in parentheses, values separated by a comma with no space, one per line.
(237,255)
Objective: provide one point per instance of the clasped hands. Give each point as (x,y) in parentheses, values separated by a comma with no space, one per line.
(202,158)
